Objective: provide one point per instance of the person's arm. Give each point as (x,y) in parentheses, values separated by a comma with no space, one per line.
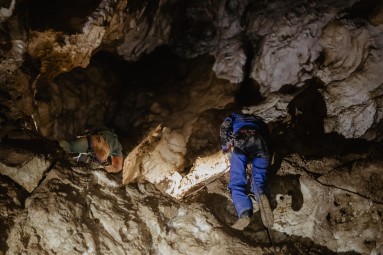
(226,134)
(116,165)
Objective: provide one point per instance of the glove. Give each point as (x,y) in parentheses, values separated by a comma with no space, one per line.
(83,157)
(227,148)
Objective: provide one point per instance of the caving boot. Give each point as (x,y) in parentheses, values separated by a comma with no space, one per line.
(243,221)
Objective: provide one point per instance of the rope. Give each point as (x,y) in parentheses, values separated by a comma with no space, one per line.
(207,183)
(261,207)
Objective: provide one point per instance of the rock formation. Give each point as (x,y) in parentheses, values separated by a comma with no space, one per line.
(164,74)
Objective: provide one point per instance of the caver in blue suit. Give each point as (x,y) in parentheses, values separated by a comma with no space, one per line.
(248,136)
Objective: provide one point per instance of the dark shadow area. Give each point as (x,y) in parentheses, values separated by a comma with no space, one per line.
(304,133)
(66,16)
(5,3)
(22,141)
(364,9)
(248,93)
(204,140)
(308,110)
(132,87)
(290,185)
(161,77)
(129,97)
(193,28)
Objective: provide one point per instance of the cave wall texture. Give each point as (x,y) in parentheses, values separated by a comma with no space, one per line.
(163,74)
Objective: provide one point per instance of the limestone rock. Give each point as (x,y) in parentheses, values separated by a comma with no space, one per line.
(81,212)
(347,92)
(230,62)
(319,59)
(28,172)
(333,221)
(7,10)
(145,28)
(12,199)
(60,53)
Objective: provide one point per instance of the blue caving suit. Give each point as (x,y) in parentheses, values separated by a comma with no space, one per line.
(249,136)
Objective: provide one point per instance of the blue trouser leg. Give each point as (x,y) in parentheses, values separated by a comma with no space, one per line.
(259,177)
(238,182)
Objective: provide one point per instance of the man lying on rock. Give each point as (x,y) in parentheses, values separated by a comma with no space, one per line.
(95,147)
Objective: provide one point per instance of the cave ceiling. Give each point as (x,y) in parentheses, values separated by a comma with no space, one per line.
(164,74)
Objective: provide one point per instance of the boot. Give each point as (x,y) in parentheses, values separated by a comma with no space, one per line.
(266,213)
(243,221)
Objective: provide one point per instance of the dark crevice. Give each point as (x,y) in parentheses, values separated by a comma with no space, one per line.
(49,168)
(206,125)
(313,175)
(316,176)
(290,185)
(248,93)
(363,9)
(5,3)
(304,133)
(350,191)
(145,81)
(66,16)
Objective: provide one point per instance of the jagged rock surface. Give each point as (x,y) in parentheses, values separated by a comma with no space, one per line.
(81,212)
(353,82)
(12,198)
(27,171)
(342,204)
(317,68)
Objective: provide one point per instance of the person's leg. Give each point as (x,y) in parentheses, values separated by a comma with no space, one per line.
(238,182)
(259,177)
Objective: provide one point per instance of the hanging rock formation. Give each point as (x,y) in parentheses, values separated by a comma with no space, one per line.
(164,74)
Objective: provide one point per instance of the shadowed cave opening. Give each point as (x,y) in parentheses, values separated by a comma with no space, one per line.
(66,16)
(130,98)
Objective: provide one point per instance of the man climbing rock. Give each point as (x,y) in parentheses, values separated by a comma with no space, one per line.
(95,146)
(246,137)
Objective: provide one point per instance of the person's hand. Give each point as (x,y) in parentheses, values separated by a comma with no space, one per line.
(227,149)
(227,155)
(116,165)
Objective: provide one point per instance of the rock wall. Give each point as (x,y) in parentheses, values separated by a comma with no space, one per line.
(327,205)
(82,212)
(313,69)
